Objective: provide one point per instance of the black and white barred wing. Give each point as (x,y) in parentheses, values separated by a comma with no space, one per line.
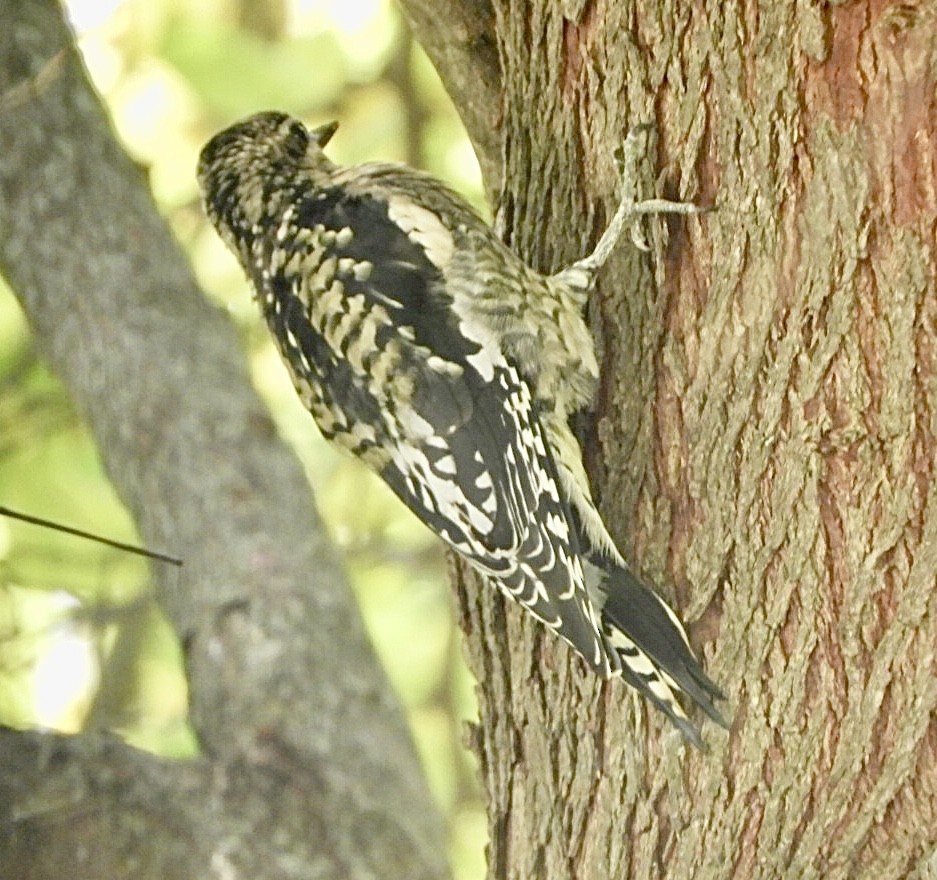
(489,490)
(391,374)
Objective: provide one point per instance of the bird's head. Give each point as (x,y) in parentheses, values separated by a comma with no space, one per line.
(243,166)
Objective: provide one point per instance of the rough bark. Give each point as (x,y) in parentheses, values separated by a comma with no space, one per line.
(308,769)
(764,442)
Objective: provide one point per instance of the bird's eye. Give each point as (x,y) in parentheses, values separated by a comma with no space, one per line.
(296,141)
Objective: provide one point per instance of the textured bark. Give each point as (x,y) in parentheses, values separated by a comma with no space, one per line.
(309,769)
(764,445)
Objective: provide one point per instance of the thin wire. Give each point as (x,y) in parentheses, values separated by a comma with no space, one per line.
(120,545)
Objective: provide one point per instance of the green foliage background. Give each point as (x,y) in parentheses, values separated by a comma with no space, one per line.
(82,644)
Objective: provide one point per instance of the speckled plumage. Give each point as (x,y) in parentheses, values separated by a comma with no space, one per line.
(422,345)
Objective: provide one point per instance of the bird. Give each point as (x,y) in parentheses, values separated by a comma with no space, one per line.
(422,345)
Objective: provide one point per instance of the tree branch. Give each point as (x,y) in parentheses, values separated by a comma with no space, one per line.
(284,686)
(91,807)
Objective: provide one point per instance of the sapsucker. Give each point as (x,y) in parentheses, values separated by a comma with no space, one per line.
(421,344)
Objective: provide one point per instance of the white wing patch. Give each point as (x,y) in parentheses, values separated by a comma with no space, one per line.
(423,227)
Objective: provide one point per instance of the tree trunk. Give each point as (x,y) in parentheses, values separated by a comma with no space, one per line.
(308,768)
(764,438)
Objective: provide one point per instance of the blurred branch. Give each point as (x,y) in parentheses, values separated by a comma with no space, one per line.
(31,87)
(89,536)
(266,18)
(400,73)
(93,807)
(459,38)
(310,770)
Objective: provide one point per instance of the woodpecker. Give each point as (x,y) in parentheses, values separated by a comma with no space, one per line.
(422,345)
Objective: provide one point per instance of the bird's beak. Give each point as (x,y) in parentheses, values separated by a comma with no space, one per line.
(323,134)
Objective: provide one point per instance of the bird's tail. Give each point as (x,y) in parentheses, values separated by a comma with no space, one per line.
(655,655)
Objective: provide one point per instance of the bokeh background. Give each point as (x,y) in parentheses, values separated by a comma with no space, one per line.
(82,644)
